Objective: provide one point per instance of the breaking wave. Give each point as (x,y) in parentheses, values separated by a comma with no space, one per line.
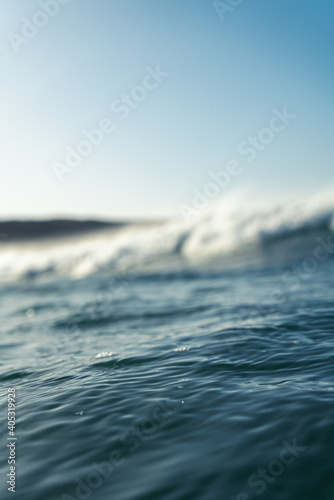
(231,226)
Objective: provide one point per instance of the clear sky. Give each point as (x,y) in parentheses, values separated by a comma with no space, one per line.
(201,78)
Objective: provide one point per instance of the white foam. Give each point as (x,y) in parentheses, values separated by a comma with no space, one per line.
(227,225)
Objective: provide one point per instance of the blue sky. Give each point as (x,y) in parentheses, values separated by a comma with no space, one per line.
(225,78)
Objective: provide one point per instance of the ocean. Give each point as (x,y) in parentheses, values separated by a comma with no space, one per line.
(171,360)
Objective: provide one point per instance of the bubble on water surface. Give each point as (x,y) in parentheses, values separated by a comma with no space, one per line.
(103,355)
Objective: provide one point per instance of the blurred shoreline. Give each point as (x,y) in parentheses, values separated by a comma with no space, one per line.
(13,231)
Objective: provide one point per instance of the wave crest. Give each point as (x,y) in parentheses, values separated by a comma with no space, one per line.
(231,225)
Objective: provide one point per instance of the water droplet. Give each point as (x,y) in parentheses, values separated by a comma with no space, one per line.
(80,412)
(103,355)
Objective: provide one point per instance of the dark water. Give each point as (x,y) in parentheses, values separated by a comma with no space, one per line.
(219,386)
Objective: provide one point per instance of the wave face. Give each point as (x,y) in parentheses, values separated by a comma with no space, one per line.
(235,230)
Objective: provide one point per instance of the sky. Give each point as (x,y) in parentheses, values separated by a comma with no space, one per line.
(121,109)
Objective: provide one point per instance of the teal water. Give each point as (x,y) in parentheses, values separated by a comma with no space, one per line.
(202,381)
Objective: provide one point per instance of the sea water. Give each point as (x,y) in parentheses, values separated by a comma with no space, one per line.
(172,361)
